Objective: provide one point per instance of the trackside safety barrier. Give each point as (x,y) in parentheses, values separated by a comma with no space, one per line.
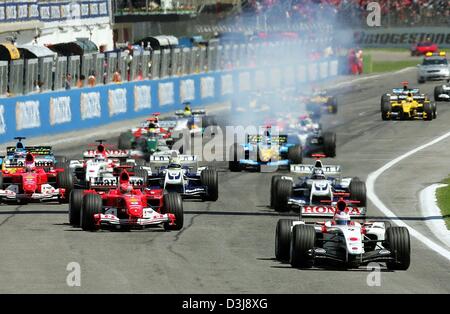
(63,111)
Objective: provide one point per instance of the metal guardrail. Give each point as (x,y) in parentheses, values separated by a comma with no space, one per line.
(23,77)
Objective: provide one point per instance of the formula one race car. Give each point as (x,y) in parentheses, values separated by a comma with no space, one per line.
(23,181)
(411,105)
(181,174)
(442,92)
(308,132)
(43,156)
(320,102)
(342,242)
(123,206)
(317,184)
(143,137)
(96,163)
(266,150)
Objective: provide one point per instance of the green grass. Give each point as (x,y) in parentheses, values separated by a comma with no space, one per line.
(443,200)
(371,66)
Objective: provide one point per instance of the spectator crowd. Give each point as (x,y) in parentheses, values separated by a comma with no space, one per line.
(354,12)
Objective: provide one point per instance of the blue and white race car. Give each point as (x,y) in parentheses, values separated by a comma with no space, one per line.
(317,189)
(181,174)
(43,156)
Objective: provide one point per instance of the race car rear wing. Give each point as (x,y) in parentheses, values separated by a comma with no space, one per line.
(20,162)
(195,112)
(165,159)
(35,150)
(401,91)
(403,97)
(275,139)
(305,170)
(113,182)
(328,211)
(119,154)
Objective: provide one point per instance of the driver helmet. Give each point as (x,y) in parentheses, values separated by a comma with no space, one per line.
(318,174)
(342,218)
(30,166)
(175,162)
(409,97)
(187,109)
(125,188)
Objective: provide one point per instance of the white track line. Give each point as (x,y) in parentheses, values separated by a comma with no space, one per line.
(386,211)
(429,208)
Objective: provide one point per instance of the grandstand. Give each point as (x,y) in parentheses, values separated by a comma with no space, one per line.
(51,22)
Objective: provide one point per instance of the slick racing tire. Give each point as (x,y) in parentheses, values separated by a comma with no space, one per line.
(92,204)
(358,191)
(303,239)
(386,108)
(438,90)
(283,191)
(295,154)
(434,110)
(236,153)
(173,204)
(273,185)
(75,206)
(428,110)
(283,239)
(125,140)
(329,144)
(332,105)
(399,243)
(60,161)
(1,180)
(210,179)
(385,99)
(64,179)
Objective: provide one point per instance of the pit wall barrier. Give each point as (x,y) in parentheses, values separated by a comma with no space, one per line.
(52,113)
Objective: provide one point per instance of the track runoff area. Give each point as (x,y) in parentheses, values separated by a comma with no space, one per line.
(228,246)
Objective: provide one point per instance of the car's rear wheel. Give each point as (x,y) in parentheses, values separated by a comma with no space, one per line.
(273,185)
(358,191)
(428,110)
(64,180)
(329,144)
(399,243)
(235,154)
(295,154)
(173,204)
(283,192)
(302,241)
(210,179)
(386,109)
(438,90)
(283,239)
(75,206)
(92,204)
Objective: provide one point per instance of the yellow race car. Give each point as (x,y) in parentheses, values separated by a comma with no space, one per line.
(321,102)
(408,107)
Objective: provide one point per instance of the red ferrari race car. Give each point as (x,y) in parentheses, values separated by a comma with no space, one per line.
(123,204)
(423,47)
(24,181)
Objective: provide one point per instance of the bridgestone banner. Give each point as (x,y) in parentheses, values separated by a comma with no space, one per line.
(398,37)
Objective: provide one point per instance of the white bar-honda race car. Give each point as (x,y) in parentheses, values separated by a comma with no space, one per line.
(341,242)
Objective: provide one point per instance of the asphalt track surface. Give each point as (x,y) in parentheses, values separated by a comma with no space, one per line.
(228,246)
